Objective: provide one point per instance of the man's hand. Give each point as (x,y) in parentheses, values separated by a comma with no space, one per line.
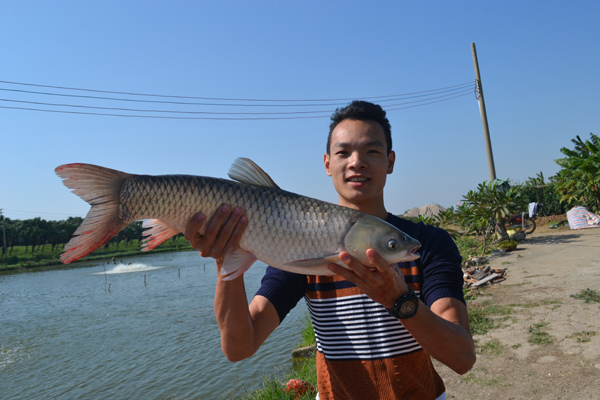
(383,283)
(223,231)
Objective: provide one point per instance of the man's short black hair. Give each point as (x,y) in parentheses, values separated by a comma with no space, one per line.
(362,111)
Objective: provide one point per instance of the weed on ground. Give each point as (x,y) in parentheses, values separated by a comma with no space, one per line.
(539,336)
(588,295)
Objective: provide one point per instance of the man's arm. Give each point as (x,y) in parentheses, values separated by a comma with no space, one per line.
(243,327)
(442,330)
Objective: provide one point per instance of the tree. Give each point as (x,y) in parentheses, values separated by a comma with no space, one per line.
(487,208)
(579,179)
(538,190)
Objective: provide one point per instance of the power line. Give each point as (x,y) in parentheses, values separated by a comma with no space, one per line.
(155,116)
(229,99)
(214,118)
(465,91)
(388,98)
(394,102)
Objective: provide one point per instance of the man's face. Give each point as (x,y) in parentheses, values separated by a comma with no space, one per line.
(358,163)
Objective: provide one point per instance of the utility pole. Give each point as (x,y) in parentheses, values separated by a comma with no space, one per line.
(486,129)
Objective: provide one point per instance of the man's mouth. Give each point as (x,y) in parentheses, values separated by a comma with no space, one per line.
(357,179)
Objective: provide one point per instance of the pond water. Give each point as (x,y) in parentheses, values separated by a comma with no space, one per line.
(141,329)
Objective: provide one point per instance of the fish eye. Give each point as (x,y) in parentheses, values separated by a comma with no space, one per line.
(393,245)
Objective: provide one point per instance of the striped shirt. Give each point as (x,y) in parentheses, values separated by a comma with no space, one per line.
(363,352)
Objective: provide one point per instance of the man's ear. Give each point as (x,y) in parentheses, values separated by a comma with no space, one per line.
(391,161)
(326,162)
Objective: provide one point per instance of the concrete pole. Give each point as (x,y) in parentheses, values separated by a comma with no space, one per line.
(486,129)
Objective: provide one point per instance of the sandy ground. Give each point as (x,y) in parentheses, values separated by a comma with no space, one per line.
(546,269)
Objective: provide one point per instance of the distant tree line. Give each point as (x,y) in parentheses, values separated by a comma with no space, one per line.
(37,233)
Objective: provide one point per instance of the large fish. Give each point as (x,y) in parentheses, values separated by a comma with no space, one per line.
(285,230)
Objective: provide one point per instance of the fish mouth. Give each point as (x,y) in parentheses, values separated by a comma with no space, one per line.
(412,252)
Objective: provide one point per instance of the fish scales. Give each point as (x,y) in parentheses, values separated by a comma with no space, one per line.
(286,230)
(282,226)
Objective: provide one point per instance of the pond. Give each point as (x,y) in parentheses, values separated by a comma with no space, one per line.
(143,328)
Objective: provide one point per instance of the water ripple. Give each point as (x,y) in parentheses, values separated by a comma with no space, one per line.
(153,335)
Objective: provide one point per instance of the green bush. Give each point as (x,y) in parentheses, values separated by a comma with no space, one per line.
(544,194)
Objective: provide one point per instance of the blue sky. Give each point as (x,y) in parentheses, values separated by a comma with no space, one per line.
(539,62)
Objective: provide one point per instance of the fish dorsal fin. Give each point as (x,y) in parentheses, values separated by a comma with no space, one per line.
(246,171)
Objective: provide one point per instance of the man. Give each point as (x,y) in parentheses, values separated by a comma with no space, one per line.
(374,335)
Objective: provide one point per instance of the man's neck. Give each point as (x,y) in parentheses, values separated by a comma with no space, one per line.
(377,210)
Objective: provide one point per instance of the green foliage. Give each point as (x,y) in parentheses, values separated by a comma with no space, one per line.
(538,335)
(426,219)
(445,218)
(22,258)
(579,178)
(493,347)
(305,369)
(486,208)
(588,295)
(468,246)
(537,190)
(482,316)
(308,333)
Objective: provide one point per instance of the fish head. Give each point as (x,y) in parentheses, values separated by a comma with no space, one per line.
(388,241)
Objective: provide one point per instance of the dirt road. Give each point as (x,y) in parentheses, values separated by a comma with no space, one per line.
(547,343)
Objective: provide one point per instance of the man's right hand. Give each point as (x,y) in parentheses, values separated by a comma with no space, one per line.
(224,230)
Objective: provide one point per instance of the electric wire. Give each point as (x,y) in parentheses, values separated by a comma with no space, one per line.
(227,99)
(205,112)
(388,102)
(388,98)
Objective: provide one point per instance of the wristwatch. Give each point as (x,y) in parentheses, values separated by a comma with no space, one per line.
(406,306)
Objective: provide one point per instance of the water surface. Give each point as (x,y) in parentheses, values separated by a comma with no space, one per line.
(141,329)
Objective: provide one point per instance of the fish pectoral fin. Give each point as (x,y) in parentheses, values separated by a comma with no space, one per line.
(235,263)
(246,171)
(158,232)
(315,262)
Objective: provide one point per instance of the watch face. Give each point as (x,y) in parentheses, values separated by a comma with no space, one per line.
(407,308)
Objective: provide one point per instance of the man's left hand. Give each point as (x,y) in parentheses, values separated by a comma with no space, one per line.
(382,282)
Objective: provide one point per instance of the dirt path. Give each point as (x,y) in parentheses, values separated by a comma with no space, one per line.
(537,306)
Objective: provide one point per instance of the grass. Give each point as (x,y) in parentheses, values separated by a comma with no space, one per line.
(493,347)
(583,336)
(308,333)
(483,381)
(304,368)
(553,303)
(539,336)
(483,317)
(588,295)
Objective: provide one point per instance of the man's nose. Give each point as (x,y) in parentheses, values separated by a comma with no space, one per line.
(357,161)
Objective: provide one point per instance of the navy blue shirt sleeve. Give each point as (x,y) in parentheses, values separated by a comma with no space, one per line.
(283,289)
(442,272)
(440,261)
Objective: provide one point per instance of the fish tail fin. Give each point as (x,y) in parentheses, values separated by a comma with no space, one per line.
(99,187)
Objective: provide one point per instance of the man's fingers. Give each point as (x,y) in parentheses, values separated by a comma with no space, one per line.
(192,228)
(378,261)
(228,234)
(358,268)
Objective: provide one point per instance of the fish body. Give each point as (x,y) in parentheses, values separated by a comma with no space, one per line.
(285,230)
